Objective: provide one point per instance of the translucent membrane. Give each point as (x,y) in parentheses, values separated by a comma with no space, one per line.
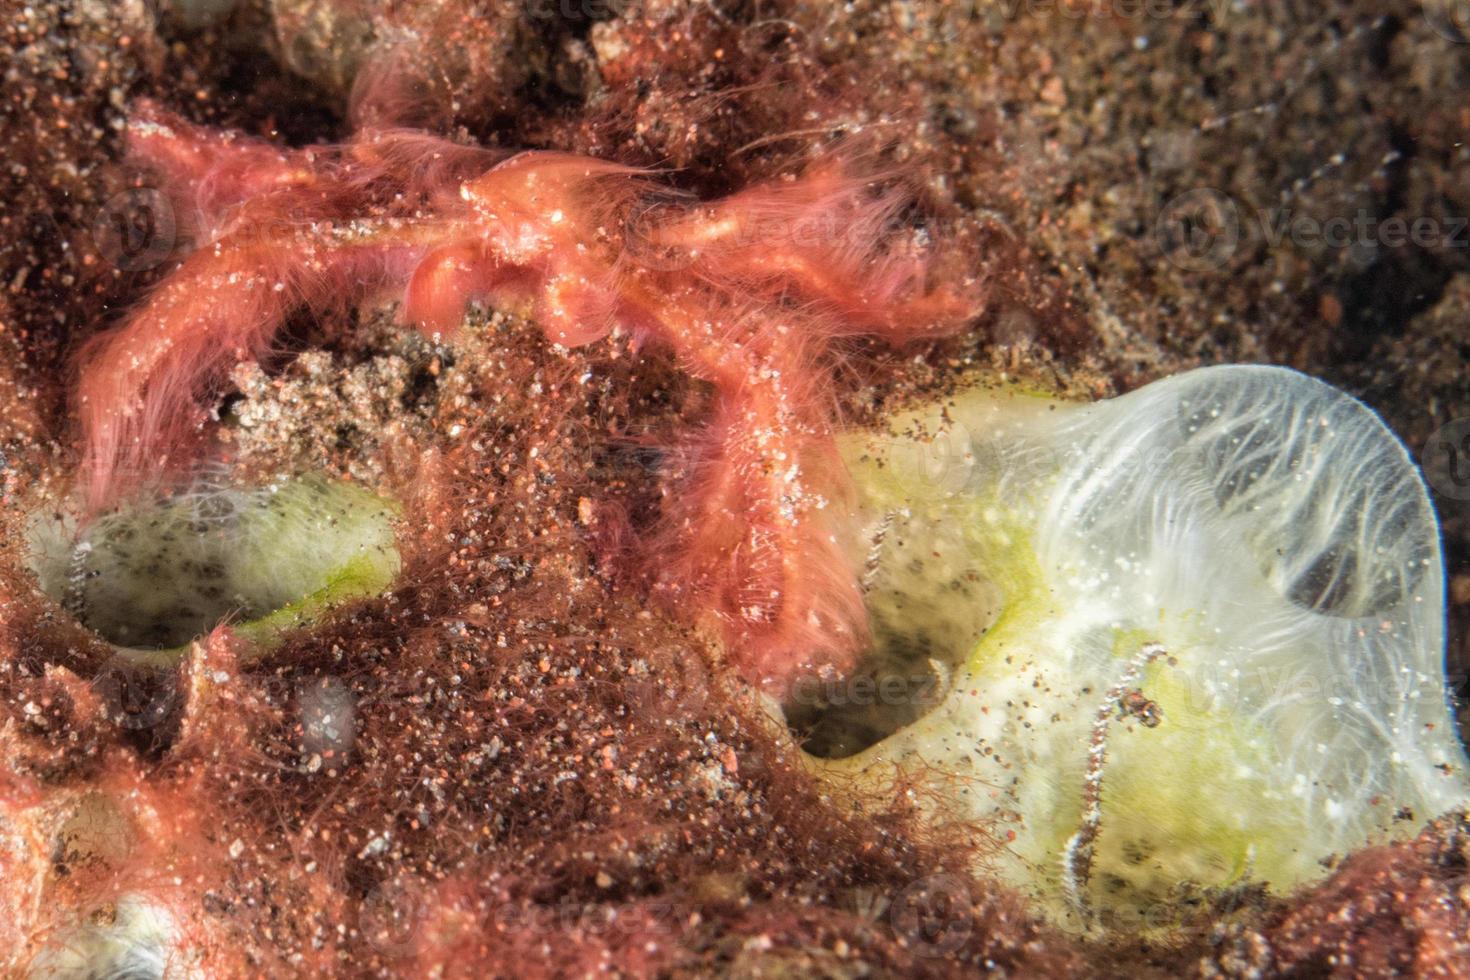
(154,576)
(1213,635)
(133,941)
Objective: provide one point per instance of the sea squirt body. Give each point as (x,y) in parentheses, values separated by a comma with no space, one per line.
(1252,546)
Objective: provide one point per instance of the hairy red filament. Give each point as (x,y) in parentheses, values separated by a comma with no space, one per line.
(748,292)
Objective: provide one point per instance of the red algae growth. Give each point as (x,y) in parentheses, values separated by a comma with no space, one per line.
(748,292)
(675,243)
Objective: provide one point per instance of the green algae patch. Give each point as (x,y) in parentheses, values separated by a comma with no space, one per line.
(152,577)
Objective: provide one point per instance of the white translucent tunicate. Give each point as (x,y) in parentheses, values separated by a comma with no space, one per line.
(1211,635)
(131,940)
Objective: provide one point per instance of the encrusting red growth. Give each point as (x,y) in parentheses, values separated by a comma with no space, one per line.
(749,292)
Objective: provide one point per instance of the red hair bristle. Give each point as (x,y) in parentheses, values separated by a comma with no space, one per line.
(748,292)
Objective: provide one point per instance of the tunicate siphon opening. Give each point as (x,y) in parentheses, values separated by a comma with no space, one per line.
(929,604)
(153,576)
